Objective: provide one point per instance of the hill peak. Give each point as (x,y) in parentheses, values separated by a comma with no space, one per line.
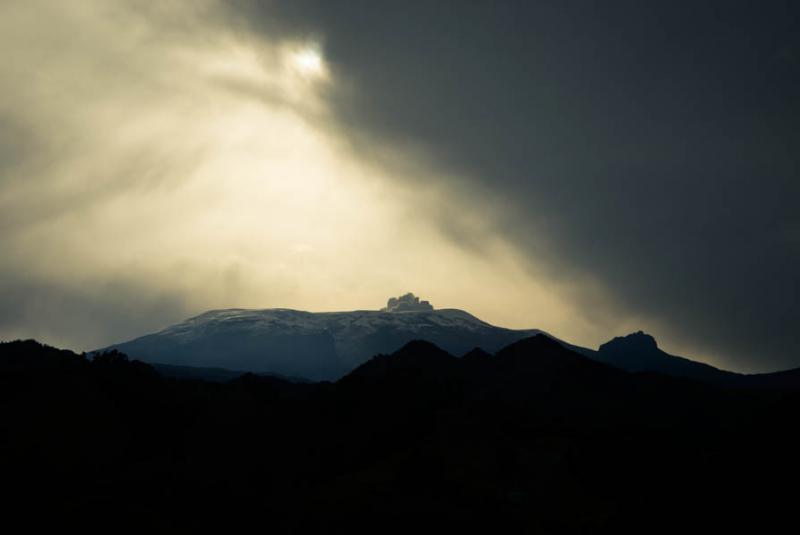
(638,341)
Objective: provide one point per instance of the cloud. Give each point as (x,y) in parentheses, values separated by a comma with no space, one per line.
(407,303)
(163,159)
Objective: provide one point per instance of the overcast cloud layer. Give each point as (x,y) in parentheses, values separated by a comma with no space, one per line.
(583,167)
(651,147)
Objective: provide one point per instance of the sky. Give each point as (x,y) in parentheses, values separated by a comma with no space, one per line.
(583,167)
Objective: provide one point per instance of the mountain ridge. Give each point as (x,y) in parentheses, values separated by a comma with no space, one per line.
(327,345)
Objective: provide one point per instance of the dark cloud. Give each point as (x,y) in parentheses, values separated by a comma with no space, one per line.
(652,147)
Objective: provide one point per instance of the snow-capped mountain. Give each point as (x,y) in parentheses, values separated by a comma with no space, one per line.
(317,346)
(327,345)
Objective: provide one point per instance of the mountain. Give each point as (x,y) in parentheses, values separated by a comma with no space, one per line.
(327,345)
(316,346)
(639,352)
(535,369)
(537,374)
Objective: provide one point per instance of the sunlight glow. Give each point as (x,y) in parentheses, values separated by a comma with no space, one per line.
(307,61)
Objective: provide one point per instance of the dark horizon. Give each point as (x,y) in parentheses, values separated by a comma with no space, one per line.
(533,438)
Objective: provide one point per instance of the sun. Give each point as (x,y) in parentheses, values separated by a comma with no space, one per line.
(308,62)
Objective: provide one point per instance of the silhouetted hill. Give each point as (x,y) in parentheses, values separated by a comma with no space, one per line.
(541,355)
(476,354)
(31,356)
(532,439)
(417,358)
(639,352)
(523,369)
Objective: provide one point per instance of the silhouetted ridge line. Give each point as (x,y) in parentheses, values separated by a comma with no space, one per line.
(30,354)
(416,357)
(515,442)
